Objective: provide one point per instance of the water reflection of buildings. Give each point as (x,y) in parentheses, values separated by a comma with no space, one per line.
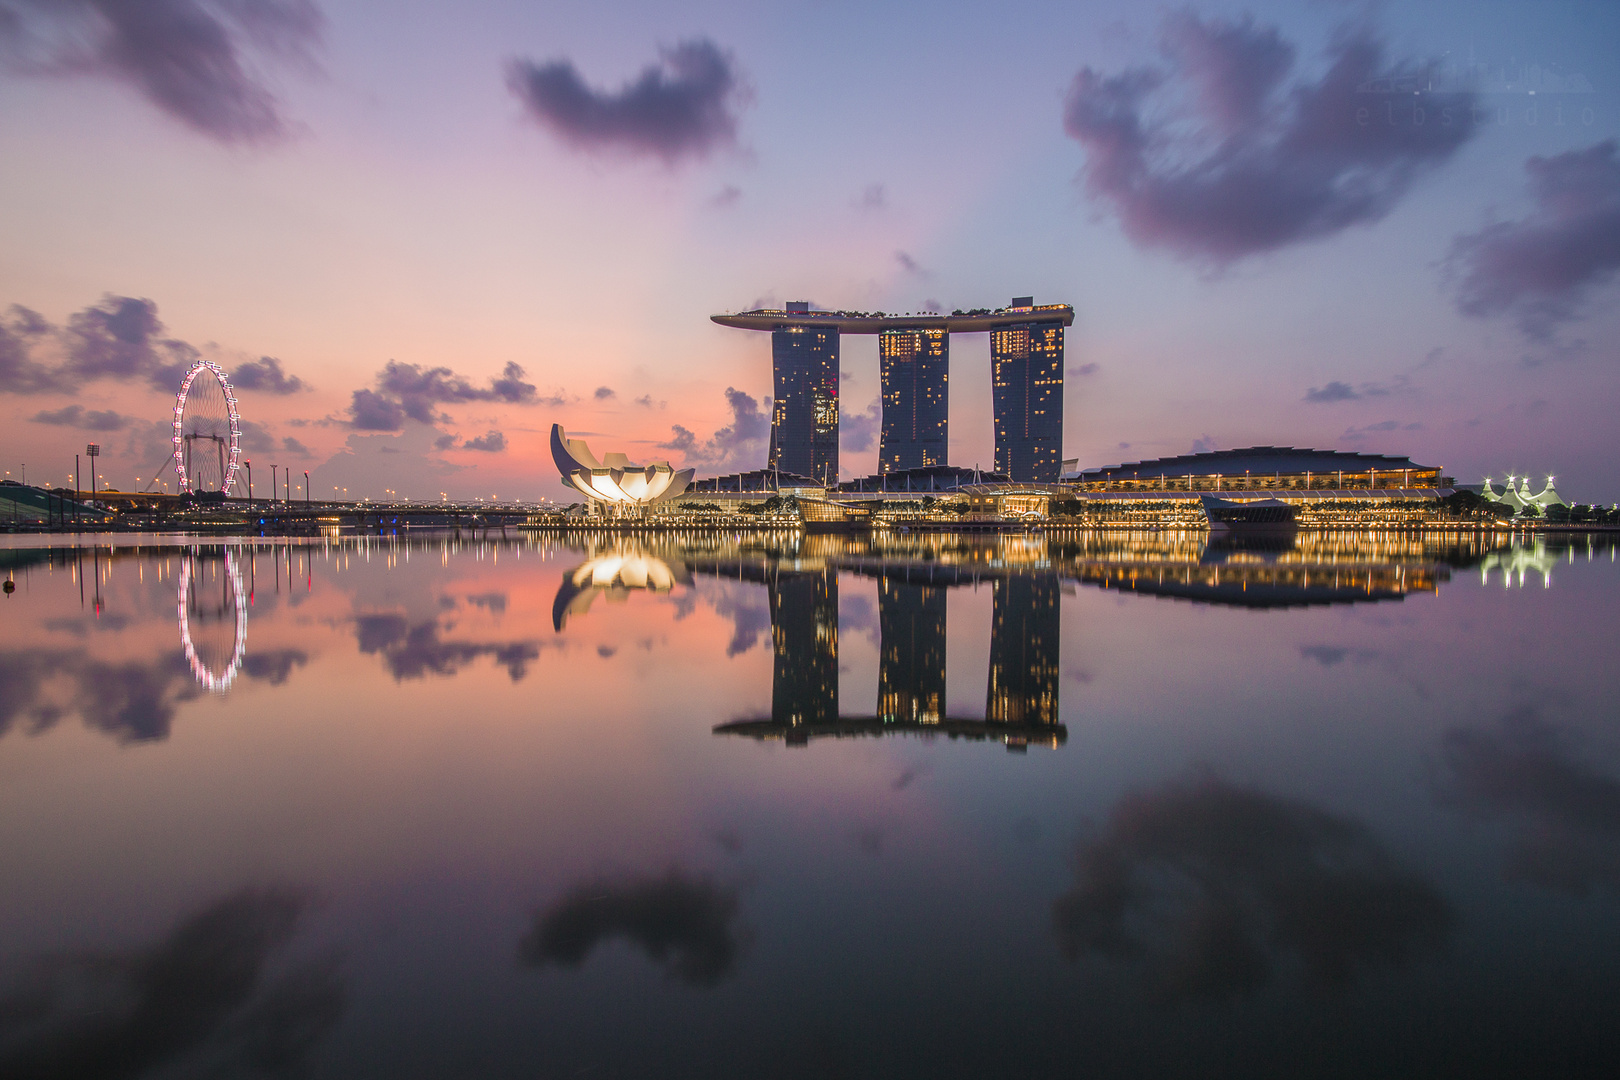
(804,636)
(1024,651)
(1022,700)
(1027,573)
(800,576)
(1539,557)
(911,671)
(1022,696)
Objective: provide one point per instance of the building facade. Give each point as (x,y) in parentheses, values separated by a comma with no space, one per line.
(1026,374)
(804,415)
(915,369)
(1027,377)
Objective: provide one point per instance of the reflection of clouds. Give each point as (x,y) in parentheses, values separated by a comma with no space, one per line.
(749,609)
(274,666)
(1212,887)
(1571,841)
(1333,655)
(82,625)
(23,676)
(413,651)
(858,615)
(201,992)
(133,700)
(681,924)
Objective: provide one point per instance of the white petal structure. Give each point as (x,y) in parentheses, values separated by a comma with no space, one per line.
(614,479)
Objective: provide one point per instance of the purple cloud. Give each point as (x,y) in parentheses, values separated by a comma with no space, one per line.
(1541,267)
(119,338)
(409,391)
(604,393)
(184,56)
(77,416)
(857,430)
(1332,392)
(256,438)
(20,373)
(910,265)
(370,411)
(122,338)
(738,445)
(493,442)
(872,197)
(683,106)
(266,374)
(1251,166)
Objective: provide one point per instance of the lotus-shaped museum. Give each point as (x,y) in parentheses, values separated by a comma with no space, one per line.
(614,480)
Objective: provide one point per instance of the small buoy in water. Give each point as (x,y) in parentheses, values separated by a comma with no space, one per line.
(10,586)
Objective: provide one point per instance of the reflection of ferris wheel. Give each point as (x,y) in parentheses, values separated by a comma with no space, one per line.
(207,431)
(205,616)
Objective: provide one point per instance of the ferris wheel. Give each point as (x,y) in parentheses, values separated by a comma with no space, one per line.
(207,430)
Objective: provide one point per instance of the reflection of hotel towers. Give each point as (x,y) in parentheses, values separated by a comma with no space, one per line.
(916,406)
(1023,684)
(804,633)
(911,671)
(1024,651)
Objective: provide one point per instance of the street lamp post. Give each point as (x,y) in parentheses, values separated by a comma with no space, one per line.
(249,464)
(306,487)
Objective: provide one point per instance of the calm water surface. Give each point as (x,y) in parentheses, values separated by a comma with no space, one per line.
(1098,806)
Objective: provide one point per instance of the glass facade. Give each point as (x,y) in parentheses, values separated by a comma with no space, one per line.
(804,415)
(1026,364)
(915,369)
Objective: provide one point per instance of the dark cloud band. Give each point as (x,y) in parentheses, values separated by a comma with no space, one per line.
(187,57)
(1252,167)
(684,106)
(1541,267)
